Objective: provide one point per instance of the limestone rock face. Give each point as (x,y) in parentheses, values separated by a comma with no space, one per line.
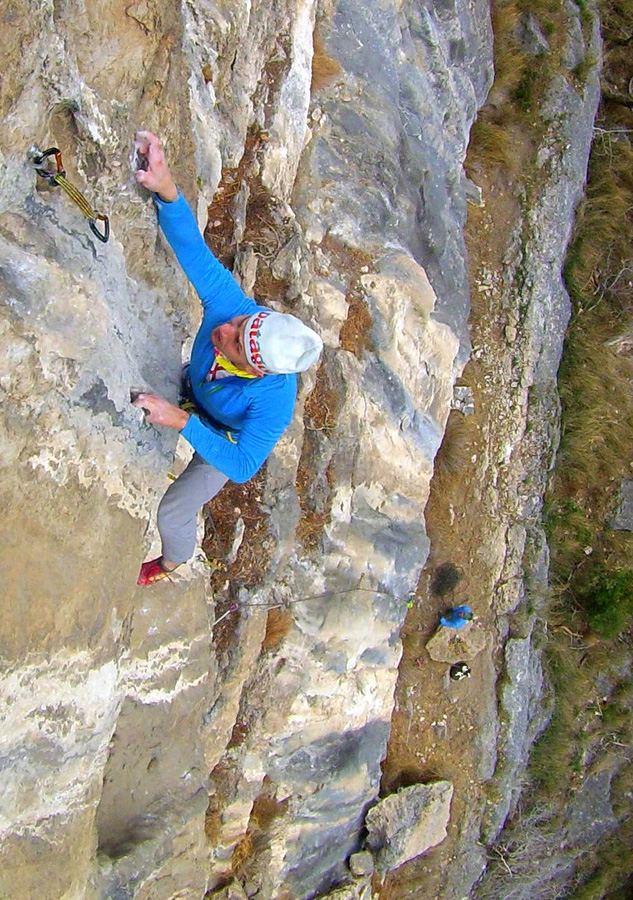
(408,823)
(125,723)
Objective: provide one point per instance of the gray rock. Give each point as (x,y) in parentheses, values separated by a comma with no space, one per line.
(359,890)
(523,717)
(451,645)
(233,891)
(406,824)
(245,268)
(463,400)
(530,35)
(590,812)
(361,863)
(622,520)
(472,192)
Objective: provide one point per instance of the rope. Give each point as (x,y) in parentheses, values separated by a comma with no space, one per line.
(237,604)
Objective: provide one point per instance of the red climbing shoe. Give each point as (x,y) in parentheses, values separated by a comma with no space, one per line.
(152,571)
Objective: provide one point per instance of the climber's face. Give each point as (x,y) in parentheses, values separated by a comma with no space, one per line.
(229,340)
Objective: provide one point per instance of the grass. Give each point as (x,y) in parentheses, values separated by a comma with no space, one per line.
(323,403)
(492,142)
(592,565)
(234,502)
(522,79)
(278,624)
(581,71)
(265,227)
(265,810)
(600,262)
(510,61)
(352,263)
(315,482)
(608,600)
(595,452)
(455,450)
(325,70)
(314,496)
(612,878)
(555,755)
(320,418)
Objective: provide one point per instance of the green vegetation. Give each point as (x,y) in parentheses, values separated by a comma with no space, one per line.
(591,562)
(608,601)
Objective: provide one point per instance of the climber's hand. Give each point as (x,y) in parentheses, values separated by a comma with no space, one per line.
(161,412)
(156,177)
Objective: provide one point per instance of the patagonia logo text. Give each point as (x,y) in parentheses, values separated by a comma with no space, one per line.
(253,340)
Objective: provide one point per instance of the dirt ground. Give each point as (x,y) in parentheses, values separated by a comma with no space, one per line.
(441,728)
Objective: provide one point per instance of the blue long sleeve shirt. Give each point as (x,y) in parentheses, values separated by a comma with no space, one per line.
(255,410)
(457,617)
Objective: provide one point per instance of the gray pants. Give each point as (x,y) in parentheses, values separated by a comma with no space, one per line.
(178,510)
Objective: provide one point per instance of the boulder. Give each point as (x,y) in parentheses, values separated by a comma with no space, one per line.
(452,646)
(408,823)
(361,863)
(622,520)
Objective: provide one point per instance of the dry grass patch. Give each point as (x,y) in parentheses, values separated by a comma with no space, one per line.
(320,418)
(278,623)
(355,334)
(234,502)
(492,144)
(266,227)
(220,213)
(241,730)
(596,373)
(600,262)
(509,61)
(351,263)
(265,810)
(314,517)
(323,403)
(243,852)
(521,80)
(221,790)
(455,449)
(325,70)
(595,377)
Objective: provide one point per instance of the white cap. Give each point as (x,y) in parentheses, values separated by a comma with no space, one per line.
(279,344)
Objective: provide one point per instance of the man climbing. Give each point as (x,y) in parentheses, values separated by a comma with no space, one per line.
(241,380)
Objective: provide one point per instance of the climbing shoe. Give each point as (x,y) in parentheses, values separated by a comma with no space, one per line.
(153,571)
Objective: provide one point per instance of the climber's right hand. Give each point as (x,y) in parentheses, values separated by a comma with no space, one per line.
(156,177)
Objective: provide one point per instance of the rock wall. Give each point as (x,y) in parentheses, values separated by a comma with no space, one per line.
(117,703)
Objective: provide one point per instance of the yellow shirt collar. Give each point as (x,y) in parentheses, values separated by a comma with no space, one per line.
(228,366)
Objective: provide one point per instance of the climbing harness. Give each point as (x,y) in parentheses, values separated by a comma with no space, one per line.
(39,159)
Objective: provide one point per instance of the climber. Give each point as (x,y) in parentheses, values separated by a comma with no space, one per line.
(241,380)
(456,617)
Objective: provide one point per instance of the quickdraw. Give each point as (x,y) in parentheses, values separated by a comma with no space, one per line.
(40,164)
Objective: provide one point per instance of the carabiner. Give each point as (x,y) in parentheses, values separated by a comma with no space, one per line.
(58,178)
